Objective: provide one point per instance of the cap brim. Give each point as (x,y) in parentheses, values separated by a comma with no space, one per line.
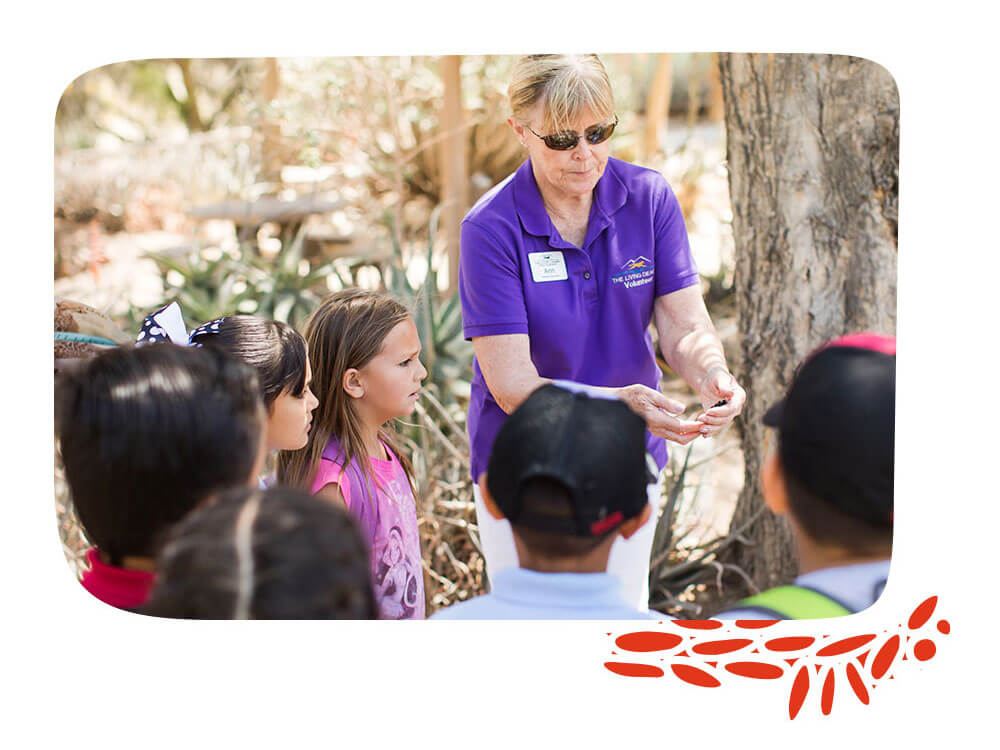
(772,417)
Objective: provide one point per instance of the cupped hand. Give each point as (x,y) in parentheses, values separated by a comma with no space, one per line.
(661,414)
(719,386)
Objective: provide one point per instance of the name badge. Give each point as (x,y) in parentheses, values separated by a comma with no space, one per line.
(550,266)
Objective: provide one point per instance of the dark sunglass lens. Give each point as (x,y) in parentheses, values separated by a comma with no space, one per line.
(599,133)
(561,141)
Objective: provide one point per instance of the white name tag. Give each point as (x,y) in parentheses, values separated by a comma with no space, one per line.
(550,266)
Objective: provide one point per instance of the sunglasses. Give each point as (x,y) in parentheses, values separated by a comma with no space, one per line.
(568,139)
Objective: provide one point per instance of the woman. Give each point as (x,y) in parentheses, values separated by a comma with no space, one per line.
(564,265)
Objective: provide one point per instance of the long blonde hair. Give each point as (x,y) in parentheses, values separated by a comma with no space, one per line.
(566,86)
(346,331)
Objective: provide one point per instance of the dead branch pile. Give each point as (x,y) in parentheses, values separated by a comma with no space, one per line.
(686,578)
(74,543)
(453,560)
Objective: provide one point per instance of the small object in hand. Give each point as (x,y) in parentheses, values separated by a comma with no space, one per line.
(720,403)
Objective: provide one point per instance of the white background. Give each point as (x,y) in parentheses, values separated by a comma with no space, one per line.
(78,673)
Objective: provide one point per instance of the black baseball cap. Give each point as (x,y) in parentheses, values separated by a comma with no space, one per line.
(836,425)
(594,446)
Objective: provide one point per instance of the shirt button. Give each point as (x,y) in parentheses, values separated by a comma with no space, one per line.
(587,275)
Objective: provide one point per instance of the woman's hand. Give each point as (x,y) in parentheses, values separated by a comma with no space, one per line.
(661,414)
(718,385)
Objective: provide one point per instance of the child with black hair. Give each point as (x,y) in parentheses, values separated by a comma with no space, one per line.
(276,554)
(275,350)
(831,476)
(146,435)
(571,473)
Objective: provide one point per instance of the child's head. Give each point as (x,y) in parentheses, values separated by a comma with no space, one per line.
(278,353)
(147,434)
(570,473)
(363,347)
(264,554)
(833,469)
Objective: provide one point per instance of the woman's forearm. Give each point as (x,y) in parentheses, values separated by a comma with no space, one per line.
(507,368)
(688,339)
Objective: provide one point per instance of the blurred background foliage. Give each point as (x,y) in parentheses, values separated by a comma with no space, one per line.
(259,185)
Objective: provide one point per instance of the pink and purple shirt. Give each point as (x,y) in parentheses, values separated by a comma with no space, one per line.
(586,310)
(387,514)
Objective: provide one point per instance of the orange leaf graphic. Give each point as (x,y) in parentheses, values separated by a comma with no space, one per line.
(800,688)
(647,640)
(695,676)
(826,700)
(883,659)
(789,644)
(628,669)
(698,624)
(721,647)
(922,613)
(859,686)
(844,645)
(755,669)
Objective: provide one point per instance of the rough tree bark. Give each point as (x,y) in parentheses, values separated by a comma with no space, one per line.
(813,158)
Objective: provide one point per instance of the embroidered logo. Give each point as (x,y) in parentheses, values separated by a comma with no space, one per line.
(635,272)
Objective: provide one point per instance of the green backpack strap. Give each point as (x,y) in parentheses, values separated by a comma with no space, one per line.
(796,603)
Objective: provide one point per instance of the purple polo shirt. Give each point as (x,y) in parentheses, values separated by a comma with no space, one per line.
(586,310)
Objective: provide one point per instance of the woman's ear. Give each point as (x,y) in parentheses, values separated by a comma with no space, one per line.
(352,383)
(772,484)
(517,128)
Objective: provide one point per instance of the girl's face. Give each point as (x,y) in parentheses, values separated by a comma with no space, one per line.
(389,385)
(290,417)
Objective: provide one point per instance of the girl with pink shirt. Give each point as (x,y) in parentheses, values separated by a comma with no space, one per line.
(364,352)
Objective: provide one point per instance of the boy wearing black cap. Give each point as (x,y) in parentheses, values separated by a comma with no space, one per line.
(832,477)
(570,473)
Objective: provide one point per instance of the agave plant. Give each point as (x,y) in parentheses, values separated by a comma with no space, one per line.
(446,354)
(285,288)
(208,286)
(288,287)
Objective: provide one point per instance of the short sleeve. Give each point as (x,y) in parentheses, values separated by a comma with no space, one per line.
(330,472)
(675,266)
(489,285)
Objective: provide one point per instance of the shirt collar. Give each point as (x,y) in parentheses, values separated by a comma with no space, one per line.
(610,195)
(548,590)
(119,587)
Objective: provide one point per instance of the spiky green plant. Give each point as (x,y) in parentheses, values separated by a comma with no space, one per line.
(208,287)
(288,287)
(446,354)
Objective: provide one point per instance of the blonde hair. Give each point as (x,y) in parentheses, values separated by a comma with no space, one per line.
(346,331)
(565,85)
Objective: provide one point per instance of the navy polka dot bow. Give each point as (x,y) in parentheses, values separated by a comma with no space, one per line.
(167,325)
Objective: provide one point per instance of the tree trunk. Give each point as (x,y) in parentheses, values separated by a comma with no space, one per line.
(454,163)
(716,105)
(813,158)
(271,161)
(657,107)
